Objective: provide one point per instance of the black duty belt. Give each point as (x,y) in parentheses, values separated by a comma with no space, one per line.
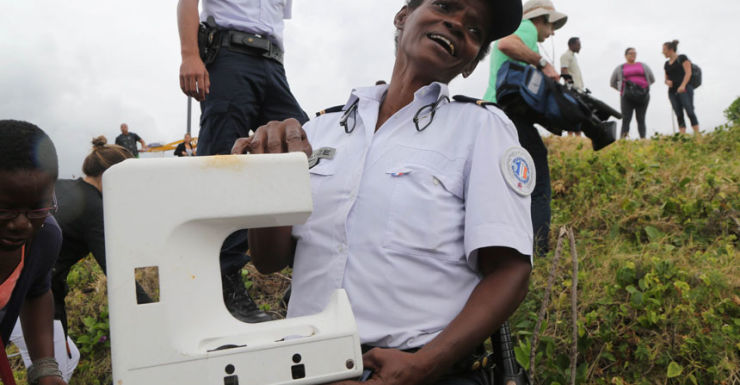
(251,44)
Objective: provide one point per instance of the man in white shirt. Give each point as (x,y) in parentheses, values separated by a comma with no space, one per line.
(569,62)
(241,87)
(569,66)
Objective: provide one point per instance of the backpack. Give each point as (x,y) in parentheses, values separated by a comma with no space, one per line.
(695,80)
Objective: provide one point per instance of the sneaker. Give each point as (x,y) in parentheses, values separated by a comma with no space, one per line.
(238,301)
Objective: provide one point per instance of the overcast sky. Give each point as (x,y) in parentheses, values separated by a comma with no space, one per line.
(79,68)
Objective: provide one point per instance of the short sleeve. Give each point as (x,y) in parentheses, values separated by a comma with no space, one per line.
(682,58)
(48,242)
(137,137)
(528,33)
(495,214)
(565,61)
(287,9)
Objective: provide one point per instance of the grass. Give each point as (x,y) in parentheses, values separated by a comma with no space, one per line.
(656,223)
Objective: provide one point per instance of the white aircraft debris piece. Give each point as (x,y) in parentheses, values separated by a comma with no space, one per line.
(170,216)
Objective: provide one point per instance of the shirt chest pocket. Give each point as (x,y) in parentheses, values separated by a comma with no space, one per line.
(427,212)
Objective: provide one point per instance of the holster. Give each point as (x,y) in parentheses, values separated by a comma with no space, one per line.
(209,40)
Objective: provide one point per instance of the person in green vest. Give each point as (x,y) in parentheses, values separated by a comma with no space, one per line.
(540,20)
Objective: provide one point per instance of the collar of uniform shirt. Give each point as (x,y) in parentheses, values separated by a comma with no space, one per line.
(423,96)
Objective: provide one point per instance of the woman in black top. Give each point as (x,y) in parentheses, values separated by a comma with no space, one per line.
(186,147)
(680,92)
(80,215)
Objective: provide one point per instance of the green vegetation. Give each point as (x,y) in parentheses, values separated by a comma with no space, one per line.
(732,113)
(657,224)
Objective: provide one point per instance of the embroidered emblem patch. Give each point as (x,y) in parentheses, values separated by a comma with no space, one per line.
(321,153)
(517,167)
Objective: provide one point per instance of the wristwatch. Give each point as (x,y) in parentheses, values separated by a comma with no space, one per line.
(542,63)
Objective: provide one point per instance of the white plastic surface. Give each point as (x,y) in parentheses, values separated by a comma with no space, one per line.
(175,213)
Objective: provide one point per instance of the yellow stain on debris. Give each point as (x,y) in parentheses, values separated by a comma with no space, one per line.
(233,162)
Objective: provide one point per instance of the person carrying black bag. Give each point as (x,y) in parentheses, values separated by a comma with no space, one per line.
(632,79)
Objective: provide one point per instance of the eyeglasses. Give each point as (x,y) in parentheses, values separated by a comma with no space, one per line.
(10,214)
(425,115)
(349,118)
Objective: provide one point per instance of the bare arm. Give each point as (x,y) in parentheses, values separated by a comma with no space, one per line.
(143,143)
(194,80)
(514,47)
(37,315)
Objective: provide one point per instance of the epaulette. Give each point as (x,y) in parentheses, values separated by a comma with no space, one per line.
(480,102)
(330,110)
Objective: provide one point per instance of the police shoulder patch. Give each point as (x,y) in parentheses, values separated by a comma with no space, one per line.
(517,167)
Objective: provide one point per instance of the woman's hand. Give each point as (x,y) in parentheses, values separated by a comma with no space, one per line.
(681,89)
(669,83)
(274,138)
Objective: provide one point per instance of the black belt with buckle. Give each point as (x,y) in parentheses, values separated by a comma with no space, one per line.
(250,43)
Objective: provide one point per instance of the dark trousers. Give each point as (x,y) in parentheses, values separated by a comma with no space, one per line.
(247,91)
(628,107)
(530,139)
(684,102)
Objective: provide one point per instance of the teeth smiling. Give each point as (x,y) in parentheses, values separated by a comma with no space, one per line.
(446,41)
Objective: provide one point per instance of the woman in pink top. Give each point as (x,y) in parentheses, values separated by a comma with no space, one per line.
(632,79)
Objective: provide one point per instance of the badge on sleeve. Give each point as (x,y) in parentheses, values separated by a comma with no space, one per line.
(517,166)
(317,155)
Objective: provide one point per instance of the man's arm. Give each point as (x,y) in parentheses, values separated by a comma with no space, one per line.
(143,143)
(503,287)
(37,315)
(514,47)
(194,80)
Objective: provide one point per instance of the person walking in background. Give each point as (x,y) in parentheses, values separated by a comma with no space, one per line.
(680,92)
(128,140)
(186,147)
(633,79)
(569,63)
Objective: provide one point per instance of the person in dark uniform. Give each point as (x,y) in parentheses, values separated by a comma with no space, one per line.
(243,88)
(128,140)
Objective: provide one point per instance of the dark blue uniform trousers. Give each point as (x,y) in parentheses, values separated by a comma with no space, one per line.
(247,91)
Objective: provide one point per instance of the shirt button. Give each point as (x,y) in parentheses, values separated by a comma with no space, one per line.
(341,248)
(435,181)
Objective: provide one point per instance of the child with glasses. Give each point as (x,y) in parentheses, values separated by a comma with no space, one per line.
(29,243)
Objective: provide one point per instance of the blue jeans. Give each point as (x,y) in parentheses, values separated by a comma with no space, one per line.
(684,102)
(247,91)
(530,139)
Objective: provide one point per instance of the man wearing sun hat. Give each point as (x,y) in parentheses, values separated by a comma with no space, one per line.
(539,21)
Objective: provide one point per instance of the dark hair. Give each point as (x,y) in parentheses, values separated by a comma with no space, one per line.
(24,146)
(485,45)
(573,40)
(103,156)
(628,50)
(672,45)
